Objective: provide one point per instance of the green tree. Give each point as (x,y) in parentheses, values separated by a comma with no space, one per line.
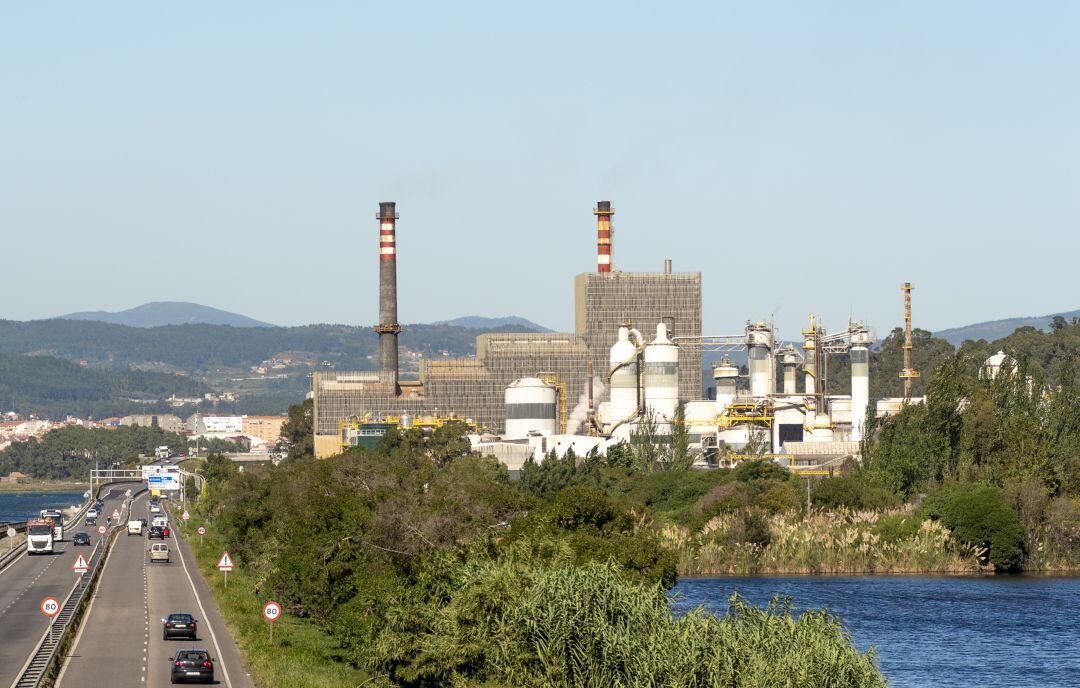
(298,431)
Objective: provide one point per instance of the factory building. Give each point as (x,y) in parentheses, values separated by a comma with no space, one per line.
(473,388)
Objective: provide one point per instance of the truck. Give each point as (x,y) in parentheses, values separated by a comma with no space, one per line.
(162,452)
(57,517)
(39,536)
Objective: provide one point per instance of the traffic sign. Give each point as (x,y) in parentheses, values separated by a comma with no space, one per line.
(271,611)
(116,514)
(80,566)
(50,607)
(226,563)
(202,530)
(102,529)
(10,532)
(186,515)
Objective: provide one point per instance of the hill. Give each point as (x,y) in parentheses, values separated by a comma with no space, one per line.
(160,313)
(54,388)
(479,322)
(999,329)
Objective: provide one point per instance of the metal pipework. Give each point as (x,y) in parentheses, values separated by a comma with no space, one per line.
(388,327)
(603,212)
(908,374)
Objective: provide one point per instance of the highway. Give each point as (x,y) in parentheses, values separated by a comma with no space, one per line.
(120,643)
(27,580)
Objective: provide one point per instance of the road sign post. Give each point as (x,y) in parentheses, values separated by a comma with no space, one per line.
(80,567)
(11,538)
(101,530)
(50,607)
(225,565)
(202,531)
(271,612)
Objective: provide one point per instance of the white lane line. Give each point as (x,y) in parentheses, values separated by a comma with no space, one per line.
(85,619)
(221,657)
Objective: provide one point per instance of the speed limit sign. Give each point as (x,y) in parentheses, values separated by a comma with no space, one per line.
(50,607)
(271,611)
(101,529)
(202,530)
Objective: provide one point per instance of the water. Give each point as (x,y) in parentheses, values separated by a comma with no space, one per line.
(1019,631)
(19,506)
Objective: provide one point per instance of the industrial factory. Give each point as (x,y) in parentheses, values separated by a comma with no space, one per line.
(633,364)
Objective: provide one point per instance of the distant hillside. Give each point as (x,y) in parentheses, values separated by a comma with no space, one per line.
(160,313)
(53,388)
(478,322)
(997,329)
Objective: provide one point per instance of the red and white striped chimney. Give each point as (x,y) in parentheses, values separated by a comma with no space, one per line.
(388,327)
(603,214)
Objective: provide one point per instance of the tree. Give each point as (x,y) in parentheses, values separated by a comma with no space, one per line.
(980,516)
(298,432)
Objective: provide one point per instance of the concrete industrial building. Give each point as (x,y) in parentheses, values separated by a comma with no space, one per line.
(473,388)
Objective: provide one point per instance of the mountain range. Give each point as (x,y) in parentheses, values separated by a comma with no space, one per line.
(162,313)
(997,329)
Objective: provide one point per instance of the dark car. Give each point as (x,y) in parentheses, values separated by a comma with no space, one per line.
(178,626)
(192,665)
(155,532)
(91,520)
(80,539)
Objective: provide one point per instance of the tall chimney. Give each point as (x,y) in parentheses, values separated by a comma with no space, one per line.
(388,327)
(603,214)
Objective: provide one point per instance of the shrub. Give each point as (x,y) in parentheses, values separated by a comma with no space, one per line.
(980,516)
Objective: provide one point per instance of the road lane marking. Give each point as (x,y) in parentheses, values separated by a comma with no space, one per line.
(213,636)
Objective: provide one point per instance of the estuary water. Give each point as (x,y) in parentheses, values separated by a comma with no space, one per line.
(19,506)
(934,631)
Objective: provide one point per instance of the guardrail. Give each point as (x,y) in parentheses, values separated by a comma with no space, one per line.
(37,667)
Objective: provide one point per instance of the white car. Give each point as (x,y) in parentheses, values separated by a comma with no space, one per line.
(92,513)
(159,552)
(134,527)
(155,508)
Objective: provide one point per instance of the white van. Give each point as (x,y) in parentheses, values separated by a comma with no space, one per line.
(162,521)
(134,527)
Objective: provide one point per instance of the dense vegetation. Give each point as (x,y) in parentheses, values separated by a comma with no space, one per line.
(431,568)
(70,452)
(200,350)
(54,388)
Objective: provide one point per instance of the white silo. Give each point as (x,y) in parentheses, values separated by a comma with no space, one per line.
(759,343)
(623,380)
(661,378)
(860,379)
(789,372)
(726,375)
(530,408)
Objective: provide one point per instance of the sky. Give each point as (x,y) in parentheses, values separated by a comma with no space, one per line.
(805,157)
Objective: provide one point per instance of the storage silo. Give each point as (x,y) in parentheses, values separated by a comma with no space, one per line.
(623,380)
(726,375)
(530,408)
(860,379)
(759,343)
(661,378)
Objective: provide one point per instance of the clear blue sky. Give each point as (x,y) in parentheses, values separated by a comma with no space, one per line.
(804,156)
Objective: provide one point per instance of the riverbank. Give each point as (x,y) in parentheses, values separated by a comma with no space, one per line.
(44,486)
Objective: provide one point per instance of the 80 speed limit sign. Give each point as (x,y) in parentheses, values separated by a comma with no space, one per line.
(271,611)
(50,607)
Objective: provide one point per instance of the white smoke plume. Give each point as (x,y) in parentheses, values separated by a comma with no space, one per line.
(580,415)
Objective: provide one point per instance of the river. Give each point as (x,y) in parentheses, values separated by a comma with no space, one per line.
(19,506)
(1019,631)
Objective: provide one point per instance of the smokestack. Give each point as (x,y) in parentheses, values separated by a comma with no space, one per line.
(388,327)
(603,214)
(667,266)
(908,374)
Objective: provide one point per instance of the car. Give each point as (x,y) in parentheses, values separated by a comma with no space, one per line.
(192,665)
(92,512)
(80,538)
(91,521)
(155,508)
(155,532)
(159,551)
(179,625)
(135,527)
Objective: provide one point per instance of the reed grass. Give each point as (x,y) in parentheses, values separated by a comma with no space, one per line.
(824,542)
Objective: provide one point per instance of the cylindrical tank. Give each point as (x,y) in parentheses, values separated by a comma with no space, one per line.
(759,342)
(726,375)
(623,379)
(530,407)
(860,381)
(661,379)
(789,374)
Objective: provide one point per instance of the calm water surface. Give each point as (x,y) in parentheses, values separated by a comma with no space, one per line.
(19,506)
(935,631)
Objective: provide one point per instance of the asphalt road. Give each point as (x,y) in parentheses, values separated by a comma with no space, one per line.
(120,641)
(28,580)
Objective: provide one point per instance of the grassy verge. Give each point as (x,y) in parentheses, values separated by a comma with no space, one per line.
(301,655)
(43,487)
